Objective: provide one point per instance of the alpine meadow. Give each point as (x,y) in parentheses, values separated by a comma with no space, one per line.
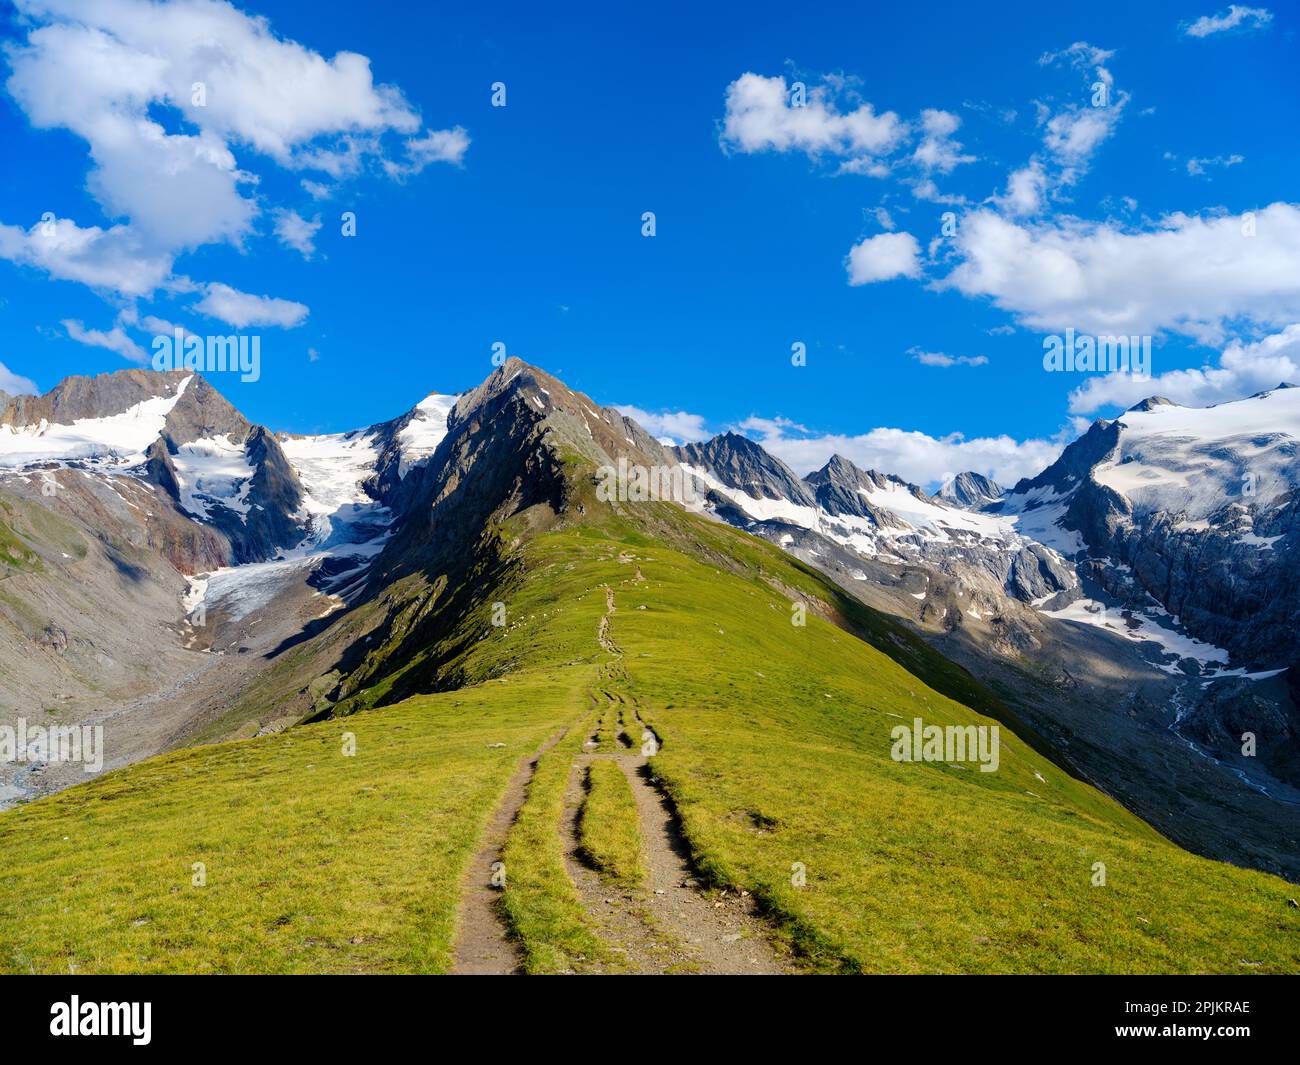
(619,491)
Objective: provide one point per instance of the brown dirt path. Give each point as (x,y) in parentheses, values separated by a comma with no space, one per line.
(483,947)
(671,925)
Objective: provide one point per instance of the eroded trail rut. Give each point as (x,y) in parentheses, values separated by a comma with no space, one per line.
(670,924)
(483,946)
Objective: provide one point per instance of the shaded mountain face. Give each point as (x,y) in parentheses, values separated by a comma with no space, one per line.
(522,454)
(506,445)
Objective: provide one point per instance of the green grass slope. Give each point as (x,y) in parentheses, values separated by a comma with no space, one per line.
(314,860)
(776,750)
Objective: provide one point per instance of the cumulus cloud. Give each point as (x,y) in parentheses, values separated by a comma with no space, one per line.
(940,358)
(938,151)
(914,456)
(767,114)
(228,73)
(1026,190)
(242,309)
(882,257)
(112,260)
(1242,369)
(1074,135)
(15,384)
(117,74)
(677,426)
(296,232)
(114,339)
(1236,17)
(760,116)
(1188,274)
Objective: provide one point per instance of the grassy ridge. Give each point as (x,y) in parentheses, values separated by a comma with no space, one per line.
(610,831)
(776,751)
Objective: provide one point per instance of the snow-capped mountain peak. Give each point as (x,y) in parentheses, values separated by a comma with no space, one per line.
(972,490)
(1186,512)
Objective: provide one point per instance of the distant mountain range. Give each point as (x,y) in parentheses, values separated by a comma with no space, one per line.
(1137,603)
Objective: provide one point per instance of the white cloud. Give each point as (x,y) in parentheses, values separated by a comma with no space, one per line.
(114,339)
(938,151)
(1073,135)
(882,257)
(1188,274)
(939,358)
(113,260)
(113,72)
(680,426)
(1242,370)
(766,114)
(296,232)
(438,146)
(1080,55)
(148,323)
(926,189)
(914,456)
(1198,167)
(1026,190)
(242,309)
(760,117)
(15,384)
(85,59)
(1249,18)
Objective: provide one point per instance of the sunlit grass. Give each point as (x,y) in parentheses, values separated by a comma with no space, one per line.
(776,752)
(314,861)
(610,830)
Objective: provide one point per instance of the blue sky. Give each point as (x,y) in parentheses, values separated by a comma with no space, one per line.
(776,224)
